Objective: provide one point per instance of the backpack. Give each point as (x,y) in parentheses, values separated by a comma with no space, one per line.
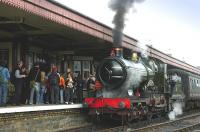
(54,79)
(2,78)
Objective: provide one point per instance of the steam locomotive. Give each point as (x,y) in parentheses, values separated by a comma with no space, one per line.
(140,88)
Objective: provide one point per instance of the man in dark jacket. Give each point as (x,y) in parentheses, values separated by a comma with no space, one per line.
(54,80)
(35,79)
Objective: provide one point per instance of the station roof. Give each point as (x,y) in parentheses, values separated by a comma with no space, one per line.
(47,23)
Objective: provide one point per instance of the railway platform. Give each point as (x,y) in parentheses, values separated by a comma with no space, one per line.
(34,108)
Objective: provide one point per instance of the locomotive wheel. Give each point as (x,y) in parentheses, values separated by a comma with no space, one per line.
(129,117)
(123,119)
(95,119)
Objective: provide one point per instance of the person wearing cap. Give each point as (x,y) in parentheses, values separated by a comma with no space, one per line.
(35,80)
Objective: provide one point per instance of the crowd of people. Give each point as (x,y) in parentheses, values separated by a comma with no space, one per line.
(38,86)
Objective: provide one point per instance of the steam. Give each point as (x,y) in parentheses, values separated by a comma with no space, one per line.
(143,50)
(121,7)
(134,79)
(177,110)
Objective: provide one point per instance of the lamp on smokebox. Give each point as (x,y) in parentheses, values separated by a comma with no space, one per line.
(134,57)
(116,52)
(119,52)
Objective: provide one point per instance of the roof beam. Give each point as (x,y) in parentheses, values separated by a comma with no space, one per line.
(19,21)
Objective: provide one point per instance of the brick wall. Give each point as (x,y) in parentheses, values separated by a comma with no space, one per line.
(42,121)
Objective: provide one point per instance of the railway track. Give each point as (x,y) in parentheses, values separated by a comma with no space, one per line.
(186,123)
(182,124)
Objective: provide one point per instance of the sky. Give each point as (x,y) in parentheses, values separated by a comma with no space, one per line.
(171,26)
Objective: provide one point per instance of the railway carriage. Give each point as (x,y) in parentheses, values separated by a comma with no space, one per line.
(184,87)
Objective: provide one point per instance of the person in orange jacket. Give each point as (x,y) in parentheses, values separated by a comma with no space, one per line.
(62,88)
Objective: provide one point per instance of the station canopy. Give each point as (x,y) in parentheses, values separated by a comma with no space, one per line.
(18,25)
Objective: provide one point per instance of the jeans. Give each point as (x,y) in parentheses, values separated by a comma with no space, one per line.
(47,96)
(69,95)
(55,94)
(61,96)
(35,89)
(3,93)
(42,92)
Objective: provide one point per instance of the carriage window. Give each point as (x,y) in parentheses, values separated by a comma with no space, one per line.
(197,83)
(193,83)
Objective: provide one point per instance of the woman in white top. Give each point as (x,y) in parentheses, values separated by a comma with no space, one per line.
(69,89)
(19,81)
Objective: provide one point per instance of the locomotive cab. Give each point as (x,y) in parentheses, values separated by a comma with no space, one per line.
(175,84)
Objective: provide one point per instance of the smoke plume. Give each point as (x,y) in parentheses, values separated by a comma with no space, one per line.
(121,7)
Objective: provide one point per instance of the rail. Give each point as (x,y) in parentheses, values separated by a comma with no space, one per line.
(180,124)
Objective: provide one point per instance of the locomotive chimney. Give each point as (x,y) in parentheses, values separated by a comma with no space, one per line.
(121,7)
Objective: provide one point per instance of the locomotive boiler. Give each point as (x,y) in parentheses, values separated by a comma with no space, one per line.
(121,77)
